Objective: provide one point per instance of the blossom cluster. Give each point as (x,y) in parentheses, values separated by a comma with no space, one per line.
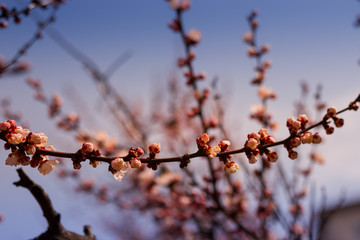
(331,113)
(23,143)
(203,143)
(254,51)
(257,140)
(17,14)
(119,166)
(306,137)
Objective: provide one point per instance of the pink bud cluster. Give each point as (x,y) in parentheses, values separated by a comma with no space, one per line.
(203,143)
(331,113)
(259,111)
(23,142)
(230,166)
(257,140)
(17,14)
(190,39)
(133,156)
(254,51)
(87,150)
(294,127)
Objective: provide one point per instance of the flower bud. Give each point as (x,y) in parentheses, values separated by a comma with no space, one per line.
(231,167)
(292,154)
(194,36)
(87,147)
(117,164)
(273,157)
(295,142)
(252,159)
(329,130)
(316,138)
(303,118)
(306,137)
(135,163)
(252,143)
(339,122)
(331,112)
(154,148)
(5,126)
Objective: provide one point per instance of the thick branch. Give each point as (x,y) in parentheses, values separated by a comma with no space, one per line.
(55,229)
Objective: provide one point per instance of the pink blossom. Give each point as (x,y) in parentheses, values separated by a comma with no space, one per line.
(12,123)
(213,151)
(154,148)
(194,36)
(231,167)
(248,37)
(30,149)
(306,137)
(296,125)
(135,163)
(117,164)
(47,166)
(4,126)
(224,145)
(23,131)
(254,135)
(119,175)
(252,143)
(263,133)
(269,140)
(303,118)
(38,139)
(139,152)
(265,93)
(252,159)
(289,122)
(15,138)
(13,158)
(203,140)
(87,147)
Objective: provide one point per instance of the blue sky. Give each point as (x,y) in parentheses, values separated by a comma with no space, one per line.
(311,40)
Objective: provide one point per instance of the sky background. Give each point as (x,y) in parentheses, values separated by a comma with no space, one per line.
(310,40)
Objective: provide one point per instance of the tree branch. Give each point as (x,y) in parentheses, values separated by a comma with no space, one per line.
(55,229)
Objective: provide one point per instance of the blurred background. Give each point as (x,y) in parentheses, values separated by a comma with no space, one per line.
(312,41)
